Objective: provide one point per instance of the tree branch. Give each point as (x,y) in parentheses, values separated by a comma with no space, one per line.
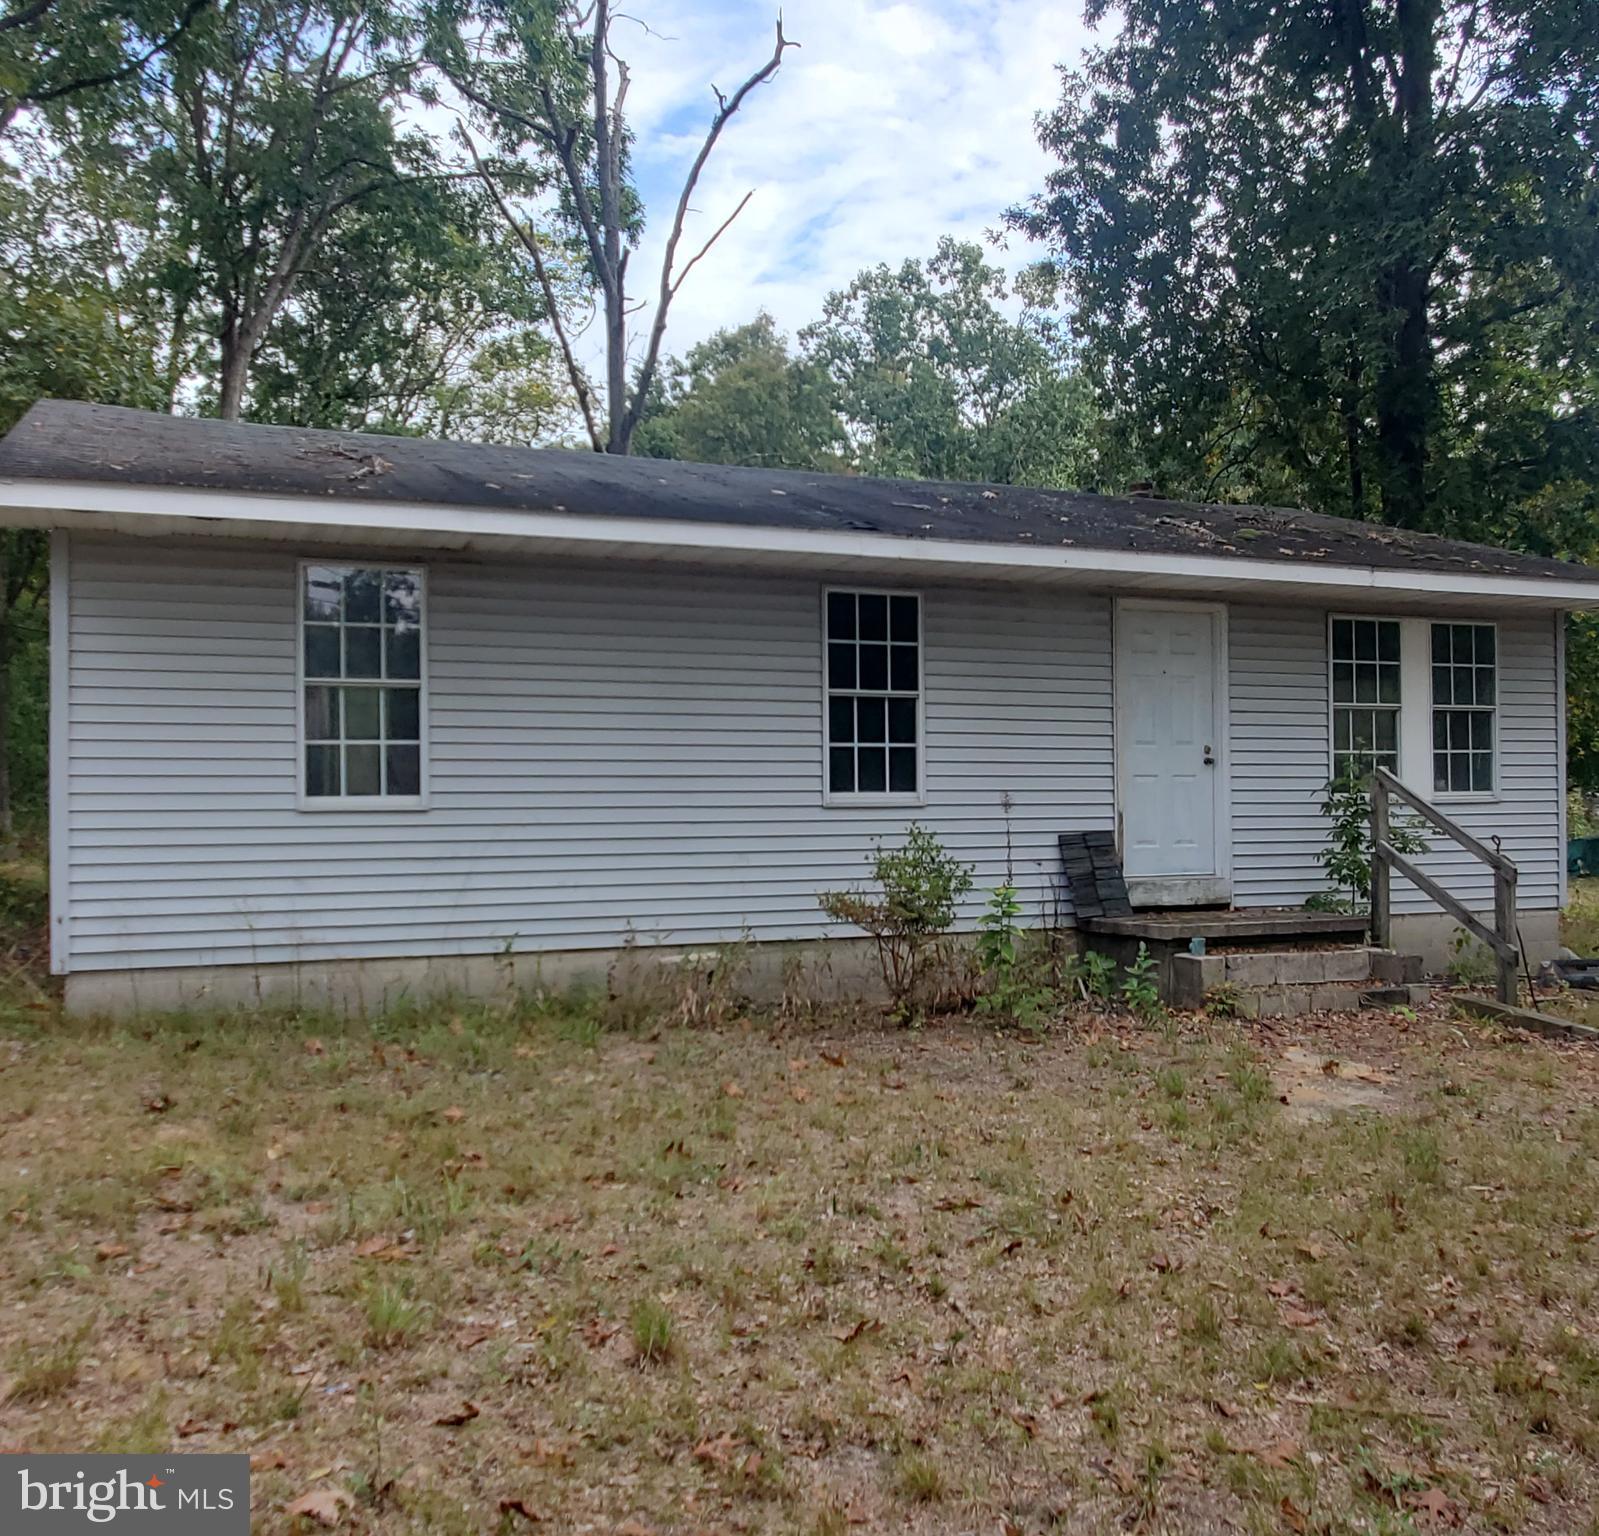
(574,371)
(726,107)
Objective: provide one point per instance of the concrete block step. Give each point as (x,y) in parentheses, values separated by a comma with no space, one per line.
(1285,983)
(1413,995)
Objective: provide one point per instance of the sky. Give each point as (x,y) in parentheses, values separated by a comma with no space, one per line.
(894,122)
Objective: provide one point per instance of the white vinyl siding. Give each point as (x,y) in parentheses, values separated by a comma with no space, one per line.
(611,751)
(619,751)
(1282,753)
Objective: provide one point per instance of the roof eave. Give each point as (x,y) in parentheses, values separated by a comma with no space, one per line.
(146,511)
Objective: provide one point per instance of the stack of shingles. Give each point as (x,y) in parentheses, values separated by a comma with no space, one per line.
(1094,874)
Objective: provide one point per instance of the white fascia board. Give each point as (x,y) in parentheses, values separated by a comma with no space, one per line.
(177,510)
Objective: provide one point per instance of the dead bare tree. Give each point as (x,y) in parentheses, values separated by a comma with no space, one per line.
(583,132)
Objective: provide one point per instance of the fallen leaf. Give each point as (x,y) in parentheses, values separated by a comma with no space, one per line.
(385,1251)
(800,1093)
(1537,1489)
(1437,1506)
(1281,1288)
(833,1059)
(1297,1317)
(472,1338)
(520,1507)
(849,1335)
(267,1461)
(547,1455)
(1284,1453)
(314,1047)
(731,1090)
(1293,1516)
(718,1451)
(1313,1249)
(457,1416)
(455,1114)
(157,1104)
(112,1251)
(324,1505)
(634,1528)
(189,1427)
(1225,1409)
(1161,1263)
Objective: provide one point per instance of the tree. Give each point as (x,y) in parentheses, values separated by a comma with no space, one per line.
(549,87)
(54,53)
(1340,252)
(739,397)
(421,315)
(934,379)
(272,123)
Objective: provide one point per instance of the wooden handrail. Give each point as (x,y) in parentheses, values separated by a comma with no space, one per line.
(1436,818)
(1501,938)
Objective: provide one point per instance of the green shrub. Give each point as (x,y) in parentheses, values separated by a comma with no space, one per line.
(921,887)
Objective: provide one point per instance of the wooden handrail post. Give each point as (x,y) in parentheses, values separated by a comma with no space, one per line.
(1380,872)
(1505,927)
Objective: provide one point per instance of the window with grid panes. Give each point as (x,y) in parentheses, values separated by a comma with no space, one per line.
(361,639)
(873,648)
(1464,698)
(1365,694)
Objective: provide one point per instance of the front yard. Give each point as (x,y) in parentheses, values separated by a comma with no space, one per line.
(504,1268)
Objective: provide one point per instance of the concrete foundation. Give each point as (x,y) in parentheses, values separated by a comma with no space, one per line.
(822,970)
(1432,936)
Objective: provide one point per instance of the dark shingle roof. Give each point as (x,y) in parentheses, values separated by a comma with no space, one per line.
(67,440)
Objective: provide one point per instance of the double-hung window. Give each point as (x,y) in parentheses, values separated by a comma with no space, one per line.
(1464,695)
(873,662)
(1365,694)
(1418,698)
(361,700)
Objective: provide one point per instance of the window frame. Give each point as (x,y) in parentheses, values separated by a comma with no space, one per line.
(1416,701)
(856,799)
(1333,706)
(321,804)
(1457,796)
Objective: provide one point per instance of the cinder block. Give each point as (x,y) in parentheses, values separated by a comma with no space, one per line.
(1395,969)
(1346,965)
(1280,1002)
(1192,976)
(1331,998)
(1255,970)
(1300,967)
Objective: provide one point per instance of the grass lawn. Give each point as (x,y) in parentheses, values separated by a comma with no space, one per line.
(502,1269)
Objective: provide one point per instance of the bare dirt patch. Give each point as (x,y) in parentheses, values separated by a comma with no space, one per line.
(495,1269)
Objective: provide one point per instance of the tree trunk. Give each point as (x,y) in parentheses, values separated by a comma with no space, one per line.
(1352,442)
(234,374)
(7,813)
(1404,394)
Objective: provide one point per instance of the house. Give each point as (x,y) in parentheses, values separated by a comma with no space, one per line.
(357,715)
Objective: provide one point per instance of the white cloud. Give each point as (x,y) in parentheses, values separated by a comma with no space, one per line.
(890,125)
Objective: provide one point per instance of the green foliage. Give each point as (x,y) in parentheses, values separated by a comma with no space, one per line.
(1342,256)
(1140,992)
(999,932)
(1017,985)
(739,397)
(73,56)
(1582,701)
(921,886)
(1346,858)
(934,379)
(1096,976)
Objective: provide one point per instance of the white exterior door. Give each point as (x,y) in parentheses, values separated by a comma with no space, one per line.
(1170,767)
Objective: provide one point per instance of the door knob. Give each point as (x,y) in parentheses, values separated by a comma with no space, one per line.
(1210,760)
